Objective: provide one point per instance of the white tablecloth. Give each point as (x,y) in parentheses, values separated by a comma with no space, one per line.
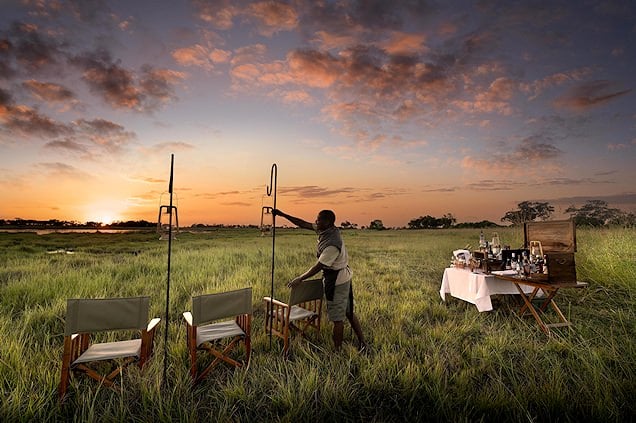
(476,288)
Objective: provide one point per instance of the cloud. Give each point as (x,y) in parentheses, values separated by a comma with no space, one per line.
(195,55)
(6,70)
(537,87)
(154,180)
(106,78)
(533,153)
(69,145)
(25,121)
(448,189)
(106,134)
(237,204)
(570,182)
(588,95)
(626,198)
(61,170)
(31,49)
(120,87)
(493,185)
(313,191)
(402,43)
(220,13)
(216,195)
(495,99)
(327,41)
(273,16)
(157,85)
(617,147)
(47,91)
(171,146)
(88,11)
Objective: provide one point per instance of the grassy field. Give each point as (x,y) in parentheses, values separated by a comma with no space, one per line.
(429,360)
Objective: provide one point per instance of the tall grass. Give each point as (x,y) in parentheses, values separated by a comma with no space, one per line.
(429,360)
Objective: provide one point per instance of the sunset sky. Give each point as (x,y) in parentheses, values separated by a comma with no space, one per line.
(376,109)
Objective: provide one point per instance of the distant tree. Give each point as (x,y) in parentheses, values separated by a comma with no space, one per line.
(377,225)
(594,213)
(528,211)
(430,222)
(348,225)
(626,220)
(447,220)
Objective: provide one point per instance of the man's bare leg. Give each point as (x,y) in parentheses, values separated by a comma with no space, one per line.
(355,324)
(338,330)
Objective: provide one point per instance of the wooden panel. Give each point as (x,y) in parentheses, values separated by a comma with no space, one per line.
(561,268)
(556,236)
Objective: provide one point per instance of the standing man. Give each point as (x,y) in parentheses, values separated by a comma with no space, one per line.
(336,274)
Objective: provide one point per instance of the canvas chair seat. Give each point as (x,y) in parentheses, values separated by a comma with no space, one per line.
(111,351)
(87,316)
(218,331)
(205,333)
(301,313)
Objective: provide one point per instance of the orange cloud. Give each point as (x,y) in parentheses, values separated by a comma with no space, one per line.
(313,68)
(273,16)
(327,41)
(495,99)
(47,91)
(404,43)
(195,55)
(588,95)
(532,154)
(537,87)
(221,14)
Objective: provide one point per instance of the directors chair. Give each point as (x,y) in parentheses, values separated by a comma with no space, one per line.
(204,335)
(84,317)
(301,313)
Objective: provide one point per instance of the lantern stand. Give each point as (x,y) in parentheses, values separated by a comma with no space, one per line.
(265,227)
(165,226)
(271,192)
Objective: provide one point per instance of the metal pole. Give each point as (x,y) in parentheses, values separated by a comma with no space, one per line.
(271,189)
(165,338)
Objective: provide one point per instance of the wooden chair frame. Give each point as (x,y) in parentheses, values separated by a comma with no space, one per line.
(201,337)
(299,315)
(76,345)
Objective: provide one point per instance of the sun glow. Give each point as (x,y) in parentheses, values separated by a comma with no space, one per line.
(103,213)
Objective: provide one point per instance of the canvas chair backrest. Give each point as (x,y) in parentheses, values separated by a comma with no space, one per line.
(306,291)
(206,308)
(95,315)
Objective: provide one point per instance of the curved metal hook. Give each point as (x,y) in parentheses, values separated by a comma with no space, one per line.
(273,176)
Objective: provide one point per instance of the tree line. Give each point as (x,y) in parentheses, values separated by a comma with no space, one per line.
(55,223)
(594,213)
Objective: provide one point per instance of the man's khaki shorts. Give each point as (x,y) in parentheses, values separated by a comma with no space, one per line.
(337,309)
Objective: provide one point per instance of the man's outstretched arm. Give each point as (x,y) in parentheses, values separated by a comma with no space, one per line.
(308,274)
(295,220)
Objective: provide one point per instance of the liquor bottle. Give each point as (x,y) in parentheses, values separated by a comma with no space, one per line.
(539,264)
(545,265)
(482,241)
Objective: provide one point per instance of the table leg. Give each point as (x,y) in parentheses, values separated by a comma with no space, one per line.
(528,306)
(551,293)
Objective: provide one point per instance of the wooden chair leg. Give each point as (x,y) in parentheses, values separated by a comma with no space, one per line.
(66,368)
